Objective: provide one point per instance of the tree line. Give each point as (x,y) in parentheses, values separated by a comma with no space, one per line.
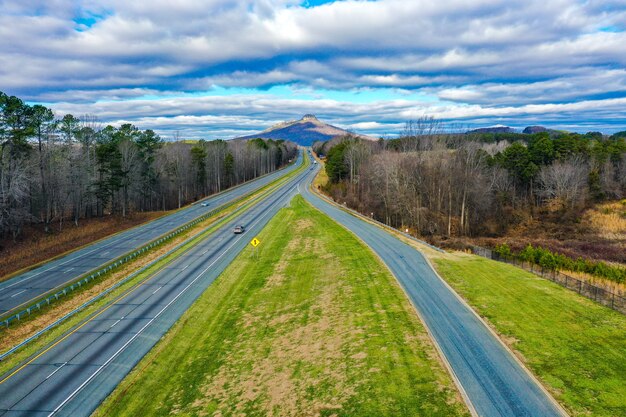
(55,170)
(472,184)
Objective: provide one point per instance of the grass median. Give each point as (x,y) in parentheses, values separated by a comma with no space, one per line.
(576,347)
(312,324)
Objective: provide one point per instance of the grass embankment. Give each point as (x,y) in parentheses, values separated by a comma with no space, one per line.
(37,246)
(576,347)
(313,325)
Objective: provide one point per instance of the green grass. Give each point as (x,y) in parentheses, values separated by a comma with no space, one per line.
(311,325)
(575,346)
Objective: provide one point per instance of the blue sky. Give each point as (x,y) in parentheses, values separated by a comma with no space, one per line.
(218,69)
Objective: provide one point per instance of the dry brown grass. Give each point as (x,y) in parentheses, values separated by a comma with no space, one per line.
(598,233)
(608,220)
(321,179)
(611,286)
(36,246)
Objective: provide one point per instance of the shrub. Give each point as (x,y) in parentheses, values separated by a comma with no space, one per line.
(527,254)
(504,251)
(548,261)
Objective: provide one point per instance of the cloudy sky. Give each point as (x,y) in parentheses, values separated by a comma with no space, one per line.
(217,68)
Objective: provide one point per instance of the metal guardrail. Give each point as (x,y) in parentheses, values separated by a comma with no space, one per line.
(598,294)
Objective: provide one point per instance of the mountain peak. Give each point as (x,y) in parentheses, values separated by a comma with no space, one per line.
(304,132)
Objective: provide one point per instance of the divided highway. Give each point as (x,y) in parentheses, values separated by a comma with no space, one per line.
(23,288)
(74,375)
(492,380)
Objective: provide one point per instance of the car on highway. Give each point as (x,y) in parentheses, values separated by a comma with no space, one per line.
(238,229)
(205,204)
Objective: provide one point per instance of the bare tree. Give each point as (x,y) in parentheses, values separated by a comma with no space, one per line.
(565,181)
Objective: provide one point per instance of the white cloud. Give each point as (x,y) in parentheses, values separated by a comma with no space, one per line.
(490,58)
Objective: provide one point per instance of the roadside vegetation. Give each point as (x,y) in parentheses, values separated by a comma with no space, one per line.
(312,324)
(36,246)
(573,345)
(596,232)
(56,172)
(560,191)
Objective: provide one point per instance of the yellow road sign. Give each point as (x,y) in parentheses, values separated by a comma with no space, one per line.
(255,242)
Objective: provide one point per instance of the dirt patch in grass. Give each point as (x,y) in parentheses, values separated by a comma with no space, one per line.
(312,326)
(313,344)
(303,224)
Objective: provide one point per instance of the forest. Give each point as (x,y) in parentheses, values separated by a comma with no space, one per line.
(443,186)
(60,169)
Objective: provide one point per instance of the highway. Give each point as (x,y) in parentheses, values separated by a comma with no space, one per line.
(76,373)
(21,289)
(494,383)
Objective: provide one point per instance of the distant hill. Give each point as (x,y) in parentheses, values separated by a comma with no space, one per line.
(493,129)
(304,132)
(529,130)
(534,129)
(537,129)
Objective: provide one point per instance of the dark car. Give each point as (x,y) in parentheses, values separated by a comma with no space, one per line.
(238,229)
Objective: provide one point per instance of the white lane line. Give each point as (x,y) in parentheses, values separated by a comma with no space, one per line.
(136,335)
(17,293)
(185,267)
(68,270)
(157,290)
(105,253)
(205,251)
(57,370)
(116,322)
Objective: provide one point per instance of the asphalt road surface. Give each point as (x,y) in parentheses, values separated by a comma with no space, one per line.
(494,383)
(21,289)
(73,376)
